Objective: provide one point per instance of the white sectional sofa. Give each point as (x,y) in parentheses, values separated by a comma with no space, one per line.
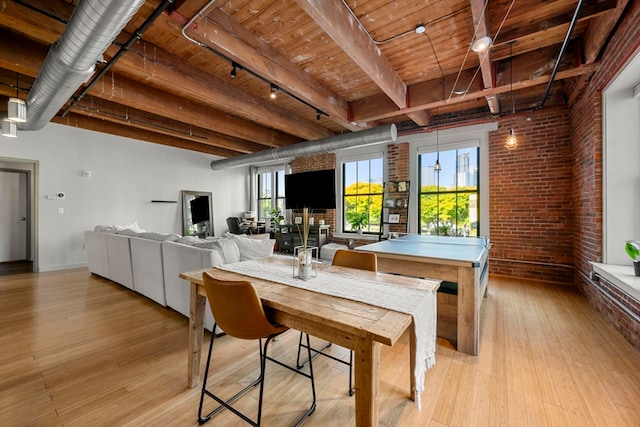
(150,263)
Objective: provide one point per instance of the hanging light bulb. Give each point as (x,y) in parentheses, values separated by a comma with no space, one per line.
(512,141)
(274,88)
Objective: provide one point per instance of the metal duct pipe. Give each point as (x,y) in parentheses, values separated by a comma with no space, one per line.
(361,138)
(71,60)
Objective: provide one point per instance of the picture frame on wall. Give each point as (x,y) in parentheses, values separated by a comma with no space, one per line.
(394,218)
(390,203)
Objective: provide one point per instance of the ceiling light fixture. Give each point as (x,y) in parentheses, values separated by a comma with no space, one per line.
(16,107)
(318,114)
(234,67)
(420,28)
(481,44)
(9,128)
(512,141)
(274,88)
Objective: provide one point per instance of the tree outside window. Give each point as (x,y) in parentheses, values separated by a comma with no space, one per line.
(449,199)
(362,194)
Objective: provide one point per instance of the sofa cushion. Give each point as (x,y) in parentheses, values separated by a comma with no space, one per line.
(189,240)
(161,237)
(129,232)
(133,226)
(252,248)
(229,249)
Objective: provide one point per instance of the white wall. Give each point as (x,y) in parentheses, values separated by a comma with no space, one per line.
(126,175)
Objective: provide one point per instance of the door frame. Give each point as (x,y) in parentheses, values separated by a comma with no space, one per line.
(31,168)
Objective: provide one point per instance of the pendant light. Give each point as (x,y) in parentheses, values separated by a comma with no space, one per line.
(437,166)
(16,107)
(512,141)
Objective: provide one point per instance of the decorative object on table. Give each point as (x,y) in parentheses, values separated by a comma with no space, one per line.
(394,218)
(358,220)
(304,266)
(632,247)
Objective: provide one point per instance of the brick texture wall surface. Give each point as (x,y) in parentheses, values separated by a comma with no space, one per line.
(531,213)
(586,120)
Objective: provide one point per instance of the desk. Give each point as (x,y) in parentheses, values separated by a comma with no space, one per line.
(463,260)
(360,327)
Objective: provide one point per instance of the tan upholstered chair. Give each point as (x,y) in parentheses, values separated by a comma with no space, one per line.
(238,311)
(342,258)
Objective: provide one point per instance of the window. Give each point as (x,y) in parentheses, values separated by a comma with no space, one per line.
(449,200)
(270,189)
(362,190)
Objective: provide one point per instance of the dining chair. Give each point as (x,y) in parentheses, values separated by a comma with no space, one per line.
(342,258)
(238,311)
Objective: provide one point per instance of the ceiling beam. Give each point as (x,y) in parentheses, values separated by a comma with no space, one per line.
(103,126)
(363,109)
(481,25)
(27,57)
(337,21)
(155,67)
(598,31)
(235,41)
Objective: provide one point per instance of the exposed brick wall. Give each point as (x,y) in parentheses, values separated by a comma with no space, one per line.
(531,216)
(586,117)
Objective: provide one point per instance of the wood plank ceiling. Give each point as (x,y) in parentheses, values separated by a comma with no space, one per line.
(338,66)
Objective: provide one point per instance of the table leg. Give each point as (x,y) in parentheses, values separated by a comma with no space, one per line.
(367,368)
(468,312)
(196,335)
(412,362)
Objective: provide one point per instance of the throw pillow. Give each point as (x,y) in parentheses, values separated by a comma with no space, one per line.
(252,249)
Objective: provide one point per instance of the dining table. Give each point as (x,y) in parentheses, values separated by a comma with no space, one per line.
(353,322)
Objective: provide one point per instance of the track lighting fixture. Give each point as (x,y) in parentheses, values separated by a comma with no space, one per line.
(481,44)
(274,88)
(420,28)
(318,114)
(233,70)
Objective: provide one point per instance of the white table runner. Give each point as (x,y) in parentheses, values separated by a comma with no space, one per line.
(419,303)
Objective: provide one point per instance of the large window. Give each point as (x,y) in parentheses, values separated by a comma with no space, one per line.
(362,187)
(449,199)
(270,188)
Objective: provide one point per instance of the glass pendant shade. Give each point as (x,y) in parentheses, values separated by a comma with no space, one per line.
(17,110)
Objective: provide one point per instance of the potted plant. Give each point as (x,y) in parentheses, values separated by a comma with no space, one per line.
(275,219)
(633,250)
(358,220)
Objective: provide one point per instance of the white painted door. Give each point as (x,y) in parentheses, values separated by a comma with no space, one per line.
(13,216)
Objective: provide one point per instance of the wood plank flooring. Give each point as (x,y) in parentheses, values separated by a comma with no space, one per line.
(79,350)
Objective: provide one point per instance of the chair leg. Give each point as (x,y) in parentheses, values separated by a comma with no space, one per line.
(226,404)
(317,352)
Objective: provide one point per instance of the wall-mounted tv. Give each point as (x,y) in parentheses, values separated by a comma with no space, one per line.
(315,190)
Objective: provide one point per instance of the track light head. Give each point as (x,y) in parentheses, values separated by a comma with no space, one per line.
(233,71)
(481,44)
(274,88)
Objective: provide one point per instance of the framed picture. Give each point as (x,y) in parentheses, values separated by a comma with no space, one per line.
(391,187)
(402,186)
(394,218)
(400,203)
(390,203)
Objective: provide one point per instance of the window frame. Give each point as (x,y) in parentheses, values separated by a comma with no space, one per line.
(256,199)
(350,156)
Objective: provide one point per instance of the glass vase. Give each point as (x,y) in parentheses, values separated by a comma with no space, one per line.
(305,262)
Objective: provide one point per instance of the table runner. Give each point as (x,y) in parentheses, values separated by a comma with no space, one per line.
(419,303)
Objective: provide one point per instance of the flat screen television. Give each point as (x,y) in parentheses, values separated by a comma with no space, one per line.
(315,190)
(199,209)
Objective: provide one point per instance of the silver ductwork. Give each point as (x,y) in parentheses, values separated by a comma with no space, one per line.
(361,138)
(93,25)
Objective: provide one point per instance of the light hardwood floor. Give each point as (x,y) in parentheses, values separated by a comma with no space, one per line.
(78,350)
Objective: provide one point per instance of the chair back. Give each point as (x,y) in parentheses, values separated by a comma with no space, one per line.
(233,222)
(237,308)
(353,259)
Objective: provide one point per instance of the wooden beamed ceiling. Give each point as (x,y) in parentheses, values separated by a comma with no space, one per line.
(338,66)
